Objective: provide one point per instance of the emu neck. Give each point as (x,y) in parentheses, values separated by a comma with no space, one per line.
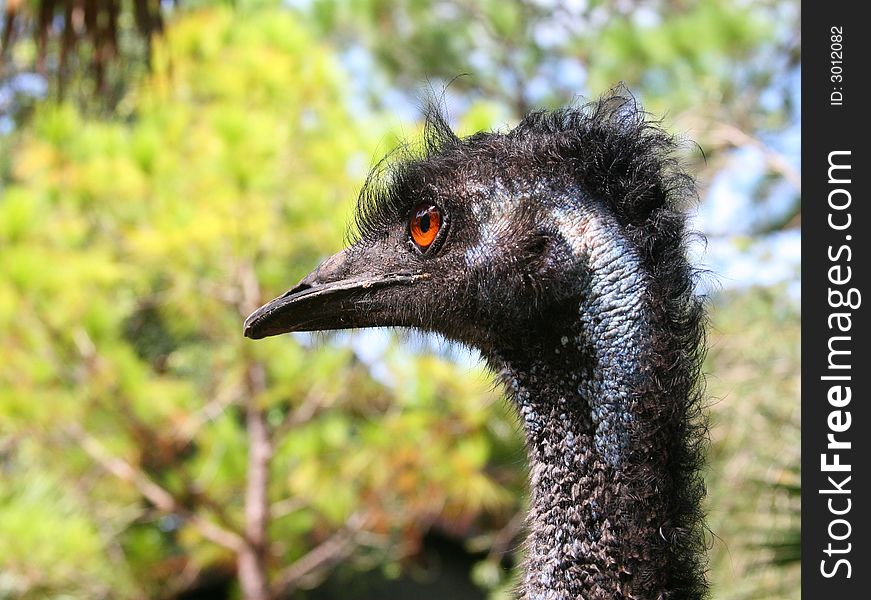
(599,434)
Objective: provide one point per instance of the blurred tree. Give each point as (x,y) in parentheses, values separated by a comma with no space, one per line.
(144,443)
(88,42)
(726,73)
(754,471)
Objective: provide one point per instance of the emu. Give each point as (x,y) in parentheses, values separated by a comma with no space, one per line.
(558,249)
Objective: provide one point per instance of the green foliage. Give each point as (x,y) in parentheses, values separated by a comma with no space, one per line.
(753,477)
(684,54)
(48,539)
(679,60)
(131,250)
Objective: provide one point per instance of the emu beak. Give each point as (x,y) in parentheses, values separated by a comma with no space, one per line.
(336,295)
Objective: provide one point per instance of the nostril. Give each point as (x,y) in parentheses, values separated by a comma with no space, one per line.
(300,287)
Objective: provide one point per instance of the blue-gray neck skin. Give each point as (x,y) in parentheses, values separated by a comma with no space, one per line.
(597,435)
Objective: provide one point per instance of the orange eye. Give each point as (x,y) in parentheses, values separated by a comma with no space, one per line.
(425,224)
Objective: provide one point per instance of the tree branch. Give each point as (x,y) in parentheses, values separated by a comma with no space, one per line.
(727,134)
(503,539)
(305,412)
(158,496)
(210,411)
(334,549)
(252,561)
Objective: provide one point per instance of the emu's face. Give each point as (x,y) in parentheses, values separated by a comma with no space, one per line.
(459,251)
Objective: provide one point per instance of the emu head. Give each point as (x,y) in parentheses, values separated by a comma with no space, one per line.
(458,242)
(485,239)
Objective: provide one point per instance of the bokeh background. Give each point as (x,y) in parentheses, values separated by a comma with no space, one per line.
(166,166)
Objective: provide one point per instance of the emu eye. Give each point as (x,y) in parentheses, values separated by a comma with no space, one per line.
(426,221)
